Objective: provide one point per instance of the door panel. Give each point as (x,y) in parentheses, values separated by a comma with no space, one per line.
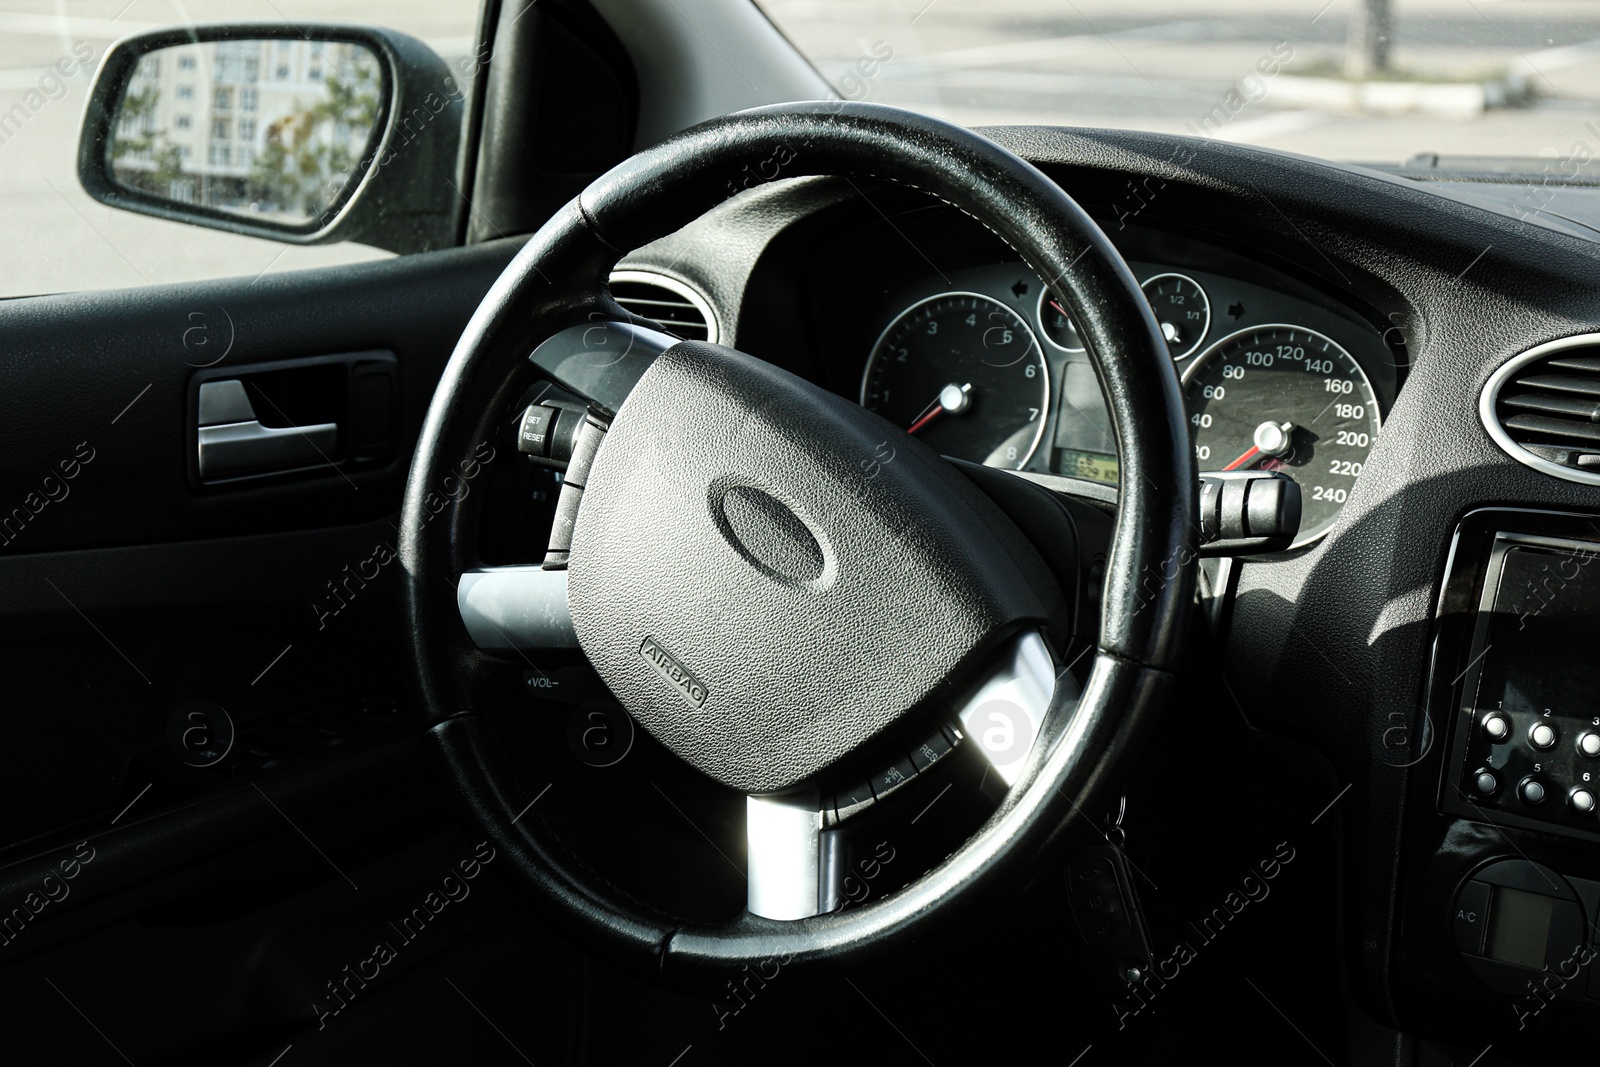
(98,432)
(129,590)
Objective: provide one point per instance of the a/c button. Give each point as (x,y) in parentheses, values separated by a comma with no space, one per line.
(1472,917)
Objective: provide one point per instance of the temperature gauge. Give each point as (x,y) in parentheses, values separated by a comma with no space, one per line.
(1058,327)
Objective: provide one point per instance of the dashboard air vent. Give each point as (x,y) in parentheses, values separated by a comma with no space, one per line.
(1543,408)
(684,312)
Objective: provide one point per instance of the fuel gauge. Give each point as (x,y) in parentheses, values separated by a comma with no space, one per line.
(1182,309)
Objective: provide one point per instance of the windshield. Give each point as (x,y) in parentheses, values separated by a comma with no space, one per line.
(1378,81)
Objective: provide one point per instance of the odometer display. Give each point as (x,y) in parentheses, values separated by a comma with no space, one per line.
(1285,398)
(964,373)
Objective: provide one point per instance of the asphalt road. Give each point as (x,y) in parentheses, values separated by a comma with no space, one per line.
(1147,64)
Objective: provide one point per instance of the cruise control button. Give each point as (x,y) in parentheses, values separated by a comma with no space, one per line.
(1589,744)
(1496,727)
(1582,801)
(1542,735)
(923,756)
(1531,791)
(853,799)
(893,777)
(533,433)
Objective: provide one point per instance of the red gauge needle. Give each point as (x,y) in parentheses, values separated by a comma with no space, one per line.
(1242,460)
(952,400)
(1272,439)
(931,414)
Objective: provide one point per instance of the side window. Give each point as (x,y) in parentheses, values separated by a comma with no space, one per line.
(201,135)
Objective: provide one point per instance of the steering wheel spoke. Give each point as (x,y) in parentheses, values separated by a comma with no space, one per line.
(784,862)
(1003,713)
(792,871)
(520,609)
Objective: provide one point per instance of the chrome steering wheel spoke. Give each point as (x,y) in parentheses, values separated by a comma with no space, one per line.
(788,844)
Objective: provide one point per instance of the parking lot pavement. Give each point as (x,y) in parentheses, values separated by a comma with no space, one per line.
(1163,66)
(1158,65)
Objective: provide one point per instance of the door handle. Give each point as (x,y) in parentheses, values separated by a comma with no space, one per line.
(232,440)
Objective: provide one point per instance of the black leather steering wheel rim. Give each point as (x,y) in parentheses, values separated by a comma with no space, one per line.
(558,278)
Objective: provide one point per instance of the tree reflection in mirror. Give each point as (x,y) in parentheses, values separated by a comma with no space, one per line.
(273,129)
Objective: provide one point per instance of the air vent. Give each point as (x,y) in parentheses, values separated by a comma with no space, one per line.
(1543,408)
(684,312)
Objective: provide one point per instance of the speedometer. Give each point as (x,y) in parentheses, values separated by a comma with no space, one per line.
(964,373)
(1288,399)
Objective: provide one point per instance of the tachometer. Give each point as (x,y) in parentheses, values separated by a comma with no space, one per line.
(1289,399)
(964,373)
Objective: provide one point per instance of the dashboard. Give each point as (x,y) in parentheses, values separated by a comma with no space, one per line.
(1371,339)
(973,353)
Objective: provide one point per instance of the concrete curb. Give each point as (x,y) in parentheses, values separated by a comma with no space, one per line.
(1460,100)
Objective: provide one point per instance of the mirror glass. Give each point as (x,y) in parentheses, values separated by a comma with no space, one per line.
(272,128)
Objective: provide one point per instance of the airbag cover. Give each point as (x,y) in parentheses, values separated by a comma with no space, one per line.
(767,575)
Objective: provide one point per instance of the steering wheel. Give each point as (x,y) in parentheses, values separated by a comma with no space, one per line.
(738,531)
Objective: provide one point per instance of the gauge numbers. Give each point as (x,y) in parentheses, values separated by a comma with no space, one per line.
(1183,310)
(964,373)
(1285,398)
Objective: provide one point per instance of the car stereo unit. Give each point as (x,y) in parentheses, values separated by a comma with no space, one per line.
(1526,748)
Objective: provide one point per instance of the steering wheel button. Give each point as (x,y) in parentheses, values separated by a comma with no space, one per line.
(1589,744)
(935,747)
(853,799)
(1532,791)
(1542,735)
(1496,727)
(1485,783)
(893,777)
(1582,801)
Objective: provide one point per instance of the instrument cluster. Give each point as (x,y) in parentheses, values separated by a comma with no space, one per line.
(986,364)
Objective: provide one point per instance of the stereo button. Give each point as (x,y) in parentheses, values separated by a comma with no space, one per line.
(1485,782)
(1496,727)
(1542,735)
(1589,744)
(1582,801)
(1532,791)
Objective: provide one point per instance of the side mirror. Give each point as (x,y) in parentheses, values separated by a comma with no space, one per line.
(305,134)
